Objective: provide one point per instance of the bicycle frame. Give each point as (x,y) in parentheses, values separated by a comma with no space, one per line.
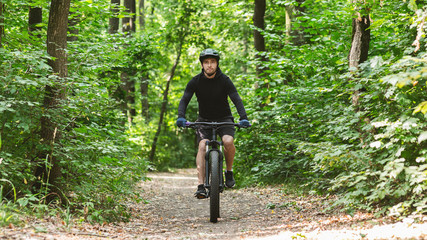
(213,145)
(213,165)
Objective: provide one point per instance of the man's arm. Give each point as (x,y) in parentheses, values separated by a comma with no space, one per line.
(235,98)
(188,94)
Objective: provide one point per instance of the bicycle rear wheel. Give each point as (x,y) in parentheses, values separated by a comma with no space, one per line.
(215,185)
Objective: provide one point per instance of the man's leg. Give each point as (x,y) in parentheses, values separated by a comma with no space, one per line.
(200,161)
(229,151)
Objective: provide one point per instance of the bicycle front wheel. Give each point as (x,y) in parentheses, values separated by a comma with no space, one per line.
(215,175)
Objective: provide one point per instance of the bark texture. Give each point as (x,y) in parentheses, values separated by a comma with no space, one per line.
(54,93)
(128,83)
(259,42)
(114,21)
(298,35)
(142,14)
(361,37)
(145,106)
(129,23)
(34,17)
(1,22)
(73,22)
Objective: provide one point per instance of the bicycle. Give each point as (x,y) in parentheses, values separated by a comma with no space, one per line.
(214,180)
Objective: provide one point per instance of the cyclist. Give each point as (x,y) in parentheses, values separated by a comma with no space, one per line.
(212,89)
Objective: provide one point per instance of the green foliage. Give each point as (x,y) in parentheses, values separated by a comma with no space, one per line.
(396,176)
(359,134)
(100,165)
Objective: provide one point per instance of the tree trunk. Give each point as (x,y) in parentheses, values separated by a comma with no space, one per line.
(298,35)
(54,93)
(361,37)
(35,16)
(142,14)
(114,21)
(72,27)
(288,19)
(259,42)
(145,106)
(295,36)
(128,82)
(1,22)
(165,103)
(113,28)
(129,24)
(359,48)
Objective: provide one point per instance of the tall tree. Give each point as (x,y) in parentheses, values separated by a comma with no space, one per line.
(294,11)
(185,13)
(55,92)
(73,22)
(1,21)
(288,19)
(129,22)
(361,36)
(142,14)
(145,106)
(165,102)
(259,42)
(35,17)
(113,26)
(128,82)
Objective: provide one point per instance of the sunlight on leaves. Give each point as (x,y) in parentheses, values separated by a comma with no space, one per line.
(422,107)
(376,144)
(422,137)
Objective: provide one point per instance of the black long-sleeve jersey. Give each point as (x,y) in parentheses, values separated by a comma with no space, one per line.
(212,96)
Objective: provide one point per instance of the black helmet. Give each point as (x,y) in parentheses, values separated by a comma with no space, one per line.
(207,53)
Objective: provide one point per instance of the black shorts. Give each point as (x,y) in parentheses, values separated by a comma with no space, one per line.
(204,132)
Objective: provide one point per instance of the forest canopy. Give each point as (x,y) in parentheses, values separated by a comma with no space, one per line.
(335,91)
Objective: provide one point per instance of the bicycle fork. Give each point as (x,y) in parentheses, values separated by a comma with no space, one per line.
(214,145)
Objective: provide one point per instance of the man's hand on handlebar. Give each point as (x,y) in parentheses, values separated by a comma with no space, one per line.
(180,122)
(244,123)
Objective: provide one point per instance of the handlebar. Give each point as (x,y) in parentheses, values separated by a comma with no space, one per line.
(214,124)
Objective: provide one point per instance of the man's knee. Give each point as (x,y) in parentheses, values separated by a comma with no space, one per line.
(228,141)
(202,145)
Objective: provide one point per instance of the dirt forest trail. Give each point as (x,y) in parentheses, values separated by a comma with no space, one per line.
(255,213)
(172,212)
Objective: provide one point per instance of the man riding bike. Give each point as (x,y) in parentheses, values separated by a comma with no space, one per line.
(212,89)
